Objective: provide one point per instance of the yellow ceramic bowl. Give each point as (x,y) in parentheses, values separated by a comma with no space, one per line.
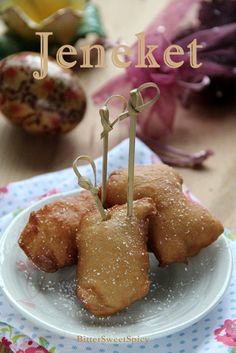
(25,17)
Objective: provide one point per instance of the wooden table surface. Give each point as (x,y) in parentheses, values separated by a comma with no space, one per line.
(23,156)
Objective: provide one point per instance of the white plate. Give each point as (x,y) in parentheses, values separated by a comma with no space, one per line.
(180,295)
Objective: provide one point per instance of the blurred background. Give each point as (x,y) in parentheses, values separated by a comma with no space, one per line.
(195,127)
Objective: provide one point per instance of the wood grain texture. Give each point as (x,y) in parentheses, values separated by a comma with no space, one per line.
(23,156)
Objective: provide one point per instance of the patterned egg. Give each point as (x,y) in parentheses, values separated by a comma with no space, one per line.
(54,105)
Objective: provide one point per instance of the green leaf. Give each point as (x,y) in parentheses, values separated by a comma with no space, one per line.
(43,342)
(52,350)
(16,338)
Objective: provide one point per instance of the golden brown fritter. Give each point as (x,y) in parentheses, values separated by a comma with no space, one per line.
(181,227)
(48,239)
(113,259)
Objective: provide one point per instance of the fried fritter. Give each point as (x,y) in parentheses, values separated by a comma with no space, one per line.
(181,227)
(48,239)
(113,259)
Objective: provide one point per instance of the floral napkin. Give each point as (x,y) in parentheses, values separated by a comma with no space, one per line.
(216,333)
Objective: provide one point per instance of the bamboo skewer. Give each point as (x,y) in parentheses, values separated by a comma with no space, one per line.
(136,105)
(87,184)
(104,113)
(107,128)
(131,109)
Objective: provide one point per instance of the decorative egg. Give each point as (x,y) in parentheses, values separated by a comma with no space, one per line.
(54,105)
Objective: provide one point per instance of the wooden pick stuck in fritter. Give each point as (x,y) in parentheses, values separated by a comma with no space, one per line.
(87,184)
(131,109)
(135,106)
(107,128)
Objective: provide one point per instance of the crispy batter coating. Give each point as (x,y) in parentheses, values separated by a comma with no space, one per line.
(113,259)
(181,227)
(48,239)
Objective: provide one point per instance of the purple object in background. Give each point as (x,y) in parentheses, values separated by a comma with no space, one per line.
(215,29)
